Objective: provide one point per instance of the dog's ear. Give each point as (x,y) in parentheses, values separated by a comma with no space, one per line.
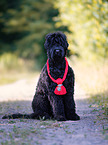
(46,44)
(65,42)
(48,36)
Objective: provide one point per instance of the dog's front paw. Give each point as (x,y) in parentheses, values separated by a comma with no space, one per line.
(75,117)
(7,117)
(60,118)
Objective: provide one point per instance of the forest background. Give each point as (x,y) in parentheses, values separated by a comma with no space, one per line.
(24,24)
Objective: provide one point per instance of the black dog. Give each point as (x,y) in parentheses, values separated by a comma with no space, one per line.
(54,97)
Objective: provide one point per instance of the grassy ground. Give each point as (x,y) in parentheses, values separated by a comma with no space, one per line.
(13,76)
(93,78)
(13,68)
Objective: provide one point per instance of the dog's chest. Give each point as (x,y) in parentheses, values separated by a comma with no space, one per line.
(57,72)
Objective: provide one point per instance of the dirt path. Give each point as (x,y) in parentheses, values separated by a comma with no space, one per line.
(17,97)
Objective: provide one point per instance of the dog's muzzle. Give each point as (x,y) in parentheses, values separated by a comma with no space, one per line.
(58,52)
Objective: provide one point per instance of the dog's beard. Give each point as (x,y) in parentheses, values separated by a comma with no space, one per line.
(58,58)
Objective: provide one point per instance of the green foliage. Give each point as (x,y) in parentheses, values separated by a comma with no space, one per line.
(9,61)
(88,24)
(23,26)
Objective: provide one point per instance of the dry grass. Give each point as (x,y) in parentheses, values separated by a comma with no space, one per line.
(13,68)
(8,77)
(93,78)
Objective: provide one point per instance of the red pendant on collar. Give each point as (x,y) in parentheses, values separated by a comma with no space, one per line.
(60,89)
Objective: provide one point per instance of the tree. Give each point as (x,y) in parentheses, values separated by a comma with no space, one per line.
(87,22)
(24,25)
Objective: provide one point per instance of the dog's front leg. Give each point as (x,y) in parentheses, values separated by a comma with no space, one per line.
(57,107)
(70,107)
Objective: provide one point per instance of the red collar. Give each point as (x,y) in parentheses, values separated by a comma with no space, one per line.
(60,89)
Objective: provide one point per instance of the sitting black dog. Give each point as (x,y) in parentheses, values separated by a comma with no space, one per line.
(54,97)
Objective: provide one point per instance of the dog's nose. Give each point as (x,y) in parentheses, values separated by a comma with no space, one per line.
(57,51)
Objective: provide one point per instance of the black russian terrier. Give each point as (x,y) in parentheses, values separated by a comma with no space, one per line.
(54,97)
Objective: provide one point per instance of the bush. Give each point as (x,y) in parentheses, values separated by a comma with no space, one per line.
(9,61)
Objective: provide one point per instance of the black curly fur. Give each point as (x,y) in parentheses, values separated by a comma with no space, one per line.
(46,104)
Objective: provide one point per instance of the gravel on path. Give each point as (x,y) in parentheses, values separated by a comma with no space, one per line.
(17,97)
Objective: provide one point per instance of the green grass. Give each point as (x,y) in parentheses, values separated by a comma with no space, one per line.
(24,134)
(101,100)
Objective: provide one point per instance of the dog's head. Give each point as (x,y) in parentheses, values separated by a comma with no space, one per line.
(56,45)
